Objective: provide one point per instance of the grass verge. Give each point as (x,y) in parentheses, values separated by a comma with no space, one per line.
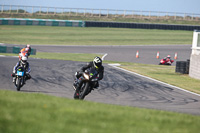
(33,112)
(90,36)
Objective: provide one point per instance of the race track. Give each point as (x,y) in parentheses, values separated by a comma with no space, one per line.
(147,53)
(55,77)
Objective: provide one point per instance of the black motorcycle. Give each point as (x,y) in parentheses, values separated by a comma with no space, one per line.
(20,78)
(86,82)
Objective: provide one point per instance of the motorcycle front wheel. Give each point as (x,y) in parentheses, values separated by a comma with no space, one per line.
(83,91)
(18,81)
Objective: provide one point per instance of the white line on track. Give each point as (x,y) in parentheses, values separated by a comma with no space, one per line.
(116,66)
(104,56)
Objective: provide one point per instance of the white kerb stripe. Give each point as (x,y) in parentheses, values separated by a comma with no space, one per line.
(104,56)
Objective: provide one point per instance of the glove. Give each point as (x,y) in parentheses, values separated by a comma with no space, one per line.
(13,74)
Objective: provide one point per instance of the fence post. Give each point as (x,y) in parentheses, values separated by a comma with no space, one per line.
(92,13)
(124,13)
(10,9)
(70,12)
(116,13)
(107,13)
(2,8)
(158,15)
(175,16)
(55,11)
(99,12)
(166,15)
(40,10)
(25,10)
(84,12)
(17,9)
(133,15)
(149,14)
(141,14)
(76,12)
(32,10)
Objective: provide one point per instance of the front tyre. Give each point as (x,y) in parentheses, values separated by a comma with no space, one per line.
(84,91)
(18,81)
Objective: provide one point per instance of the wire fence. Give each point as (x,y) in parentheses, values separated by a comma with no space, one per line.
(86,12)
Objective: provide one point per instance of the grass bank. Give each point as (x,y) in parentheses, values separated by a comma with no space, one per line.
(33,112)
(49,35)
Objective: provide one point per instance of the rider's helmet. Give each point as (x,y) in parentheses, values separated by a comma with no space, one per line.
(24,59)
(26,49)
(97,62)
(169,56)
(28,46)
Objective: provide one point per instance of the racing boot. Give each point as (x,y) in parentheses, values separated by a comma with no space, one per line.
(96,85)
(76,95)
(14,80)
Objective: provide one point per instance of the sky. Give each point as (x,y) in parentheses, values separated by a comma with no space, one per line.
(182,6)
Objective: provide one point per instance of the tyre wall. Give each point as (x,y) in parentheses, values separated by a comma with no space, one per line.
(141,25)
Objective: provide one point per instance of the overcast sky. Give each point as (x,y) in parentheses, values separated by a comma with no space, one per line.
(183,6)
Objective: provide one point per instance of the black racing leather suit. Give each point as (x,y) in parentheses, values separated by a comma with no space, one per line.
(100,71)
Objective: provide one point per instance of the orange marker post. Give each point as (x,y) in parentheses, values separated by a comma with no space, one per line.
(137,54)
(175,56)
(157,56)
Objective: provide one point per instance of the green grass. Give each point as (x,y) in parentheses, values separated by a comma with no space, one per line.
(39,113)
(49,35)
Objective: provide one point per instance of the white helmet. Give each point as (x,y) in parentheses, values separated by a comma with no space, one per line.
(26,49)
(28,45)
(24,59)
(97,62)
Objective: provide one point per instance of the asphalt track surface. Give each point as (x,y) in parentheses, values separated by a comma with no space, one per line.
(55,77)
(147,54)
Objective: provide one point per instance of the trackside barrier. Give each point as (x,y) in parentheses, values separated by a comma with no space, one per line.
(15,50)
(79,23)
(183,67)
(3,49)
(141,25)
(41,22)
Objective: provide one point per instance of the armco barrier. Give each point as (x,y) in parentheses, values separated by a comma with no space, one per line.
(41,22)
(141,25)
(3,49)
(15,50)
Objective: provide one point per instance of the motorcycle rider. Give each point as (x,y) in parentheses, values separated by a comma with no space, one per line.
(168,60)
(97,64)
(25,51)
(23,62)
